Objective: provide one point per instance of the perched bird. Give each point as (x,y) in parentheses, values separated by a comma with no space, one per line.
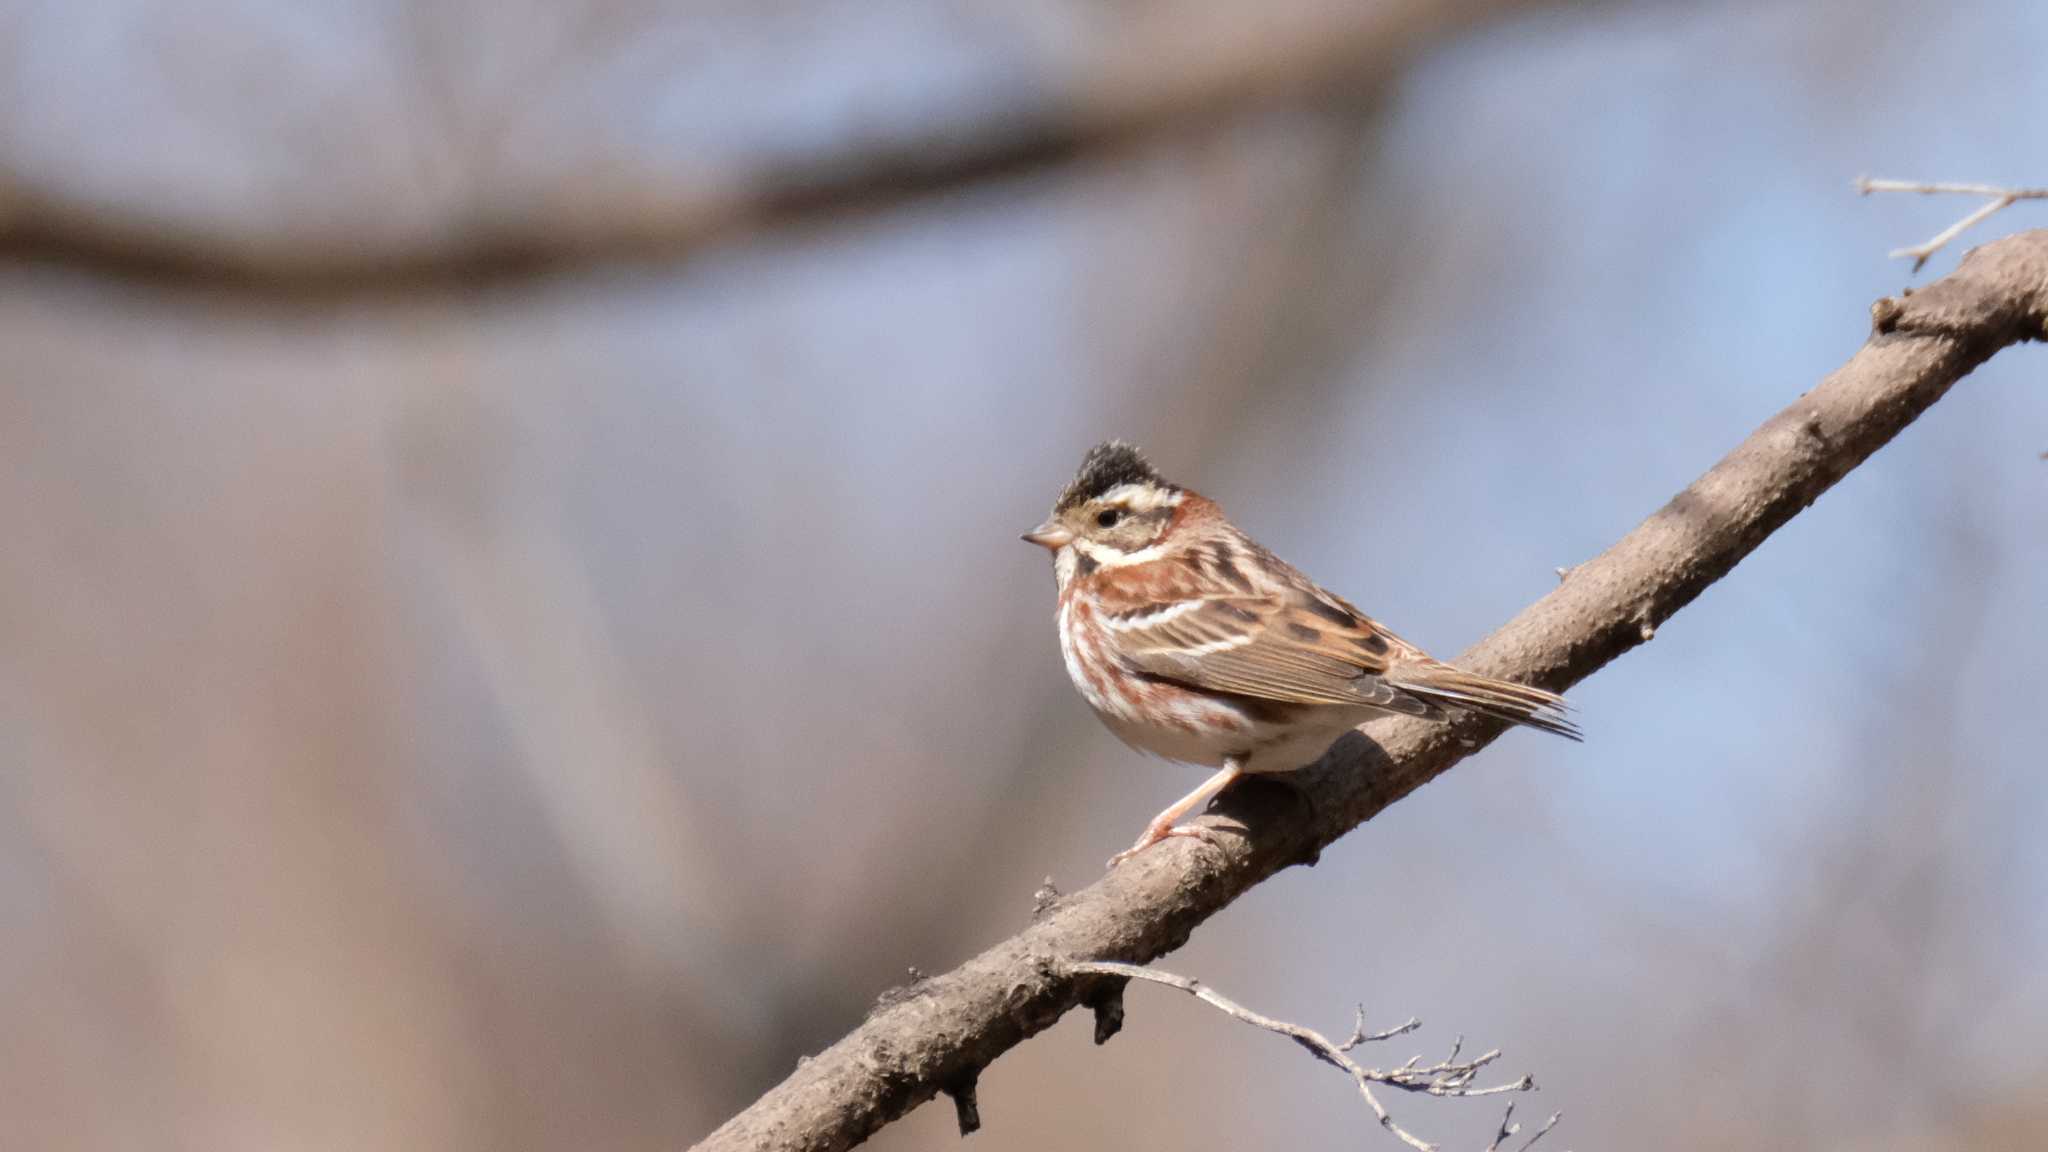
(1194,643)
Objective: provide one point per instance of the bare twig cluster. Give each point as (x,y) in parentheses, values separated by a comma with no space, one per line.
(1997,198)
(1450,1076)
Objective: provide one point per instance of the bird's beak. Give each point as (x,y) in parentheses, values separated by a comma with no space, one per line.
(1051,536)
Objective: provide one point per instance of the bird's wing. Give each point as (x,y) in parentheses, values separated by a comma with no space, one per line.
(1294,644)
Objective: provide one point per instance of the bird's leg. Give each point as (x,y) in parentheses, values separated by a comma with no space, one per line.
(1163,825)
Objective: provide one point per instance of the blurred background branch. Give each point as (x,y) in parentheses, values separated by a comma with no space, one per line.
(1020,91)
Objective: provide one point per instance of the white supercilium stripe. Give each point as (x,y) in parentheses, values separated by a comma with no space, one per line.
(1142,497)
(1111,558)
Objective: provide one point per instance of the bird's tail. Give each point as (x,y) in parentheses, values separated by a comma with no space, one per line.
(1444,686)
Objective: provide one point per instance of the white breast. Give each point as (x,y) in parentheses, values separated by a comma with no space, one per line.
(1167,721)
(1081,645)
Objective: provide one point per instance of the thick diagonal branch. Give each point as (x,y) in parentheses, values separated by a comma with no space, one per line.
(953,1025)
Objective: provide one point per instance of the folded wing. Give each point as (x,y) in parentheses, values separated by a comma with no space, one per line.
(1298,644)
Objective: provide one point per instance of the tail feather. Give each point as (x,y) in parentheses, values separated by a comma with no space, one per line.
(1443,685)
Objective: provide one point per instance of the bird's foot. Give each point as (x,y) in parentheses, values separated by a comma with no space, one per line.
(1157,832)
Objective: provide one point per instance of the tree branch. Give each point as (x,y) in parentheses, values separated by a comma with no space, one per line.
(956,1023)
(1997,199)
(1447,1077)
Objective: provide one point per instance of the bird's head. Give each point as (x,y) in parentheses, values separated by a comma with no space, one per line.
(1116,511)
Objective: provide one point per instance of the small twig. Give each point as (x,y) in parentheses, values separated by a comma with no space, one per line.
(1541,1132)
(1447,1077)
(1508,1128)
(1997,199)
(1359,1036)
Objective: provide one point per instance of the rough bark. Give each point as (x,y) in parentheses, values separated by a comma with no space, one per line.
(944,1030)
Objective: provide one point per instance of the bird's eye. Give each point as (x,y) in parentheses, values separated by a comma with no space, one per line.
(1108,517)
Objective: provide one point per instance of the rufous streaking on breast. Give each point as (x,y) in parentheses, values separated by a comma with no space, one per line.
(1193,642)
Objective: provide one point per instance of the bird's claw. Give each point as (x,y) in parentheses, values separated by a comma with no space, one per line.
(1156,833)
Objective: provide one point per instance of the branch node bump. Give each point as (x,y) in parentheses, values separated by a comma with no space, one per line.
(966,1106)
(1045,899)
(1106,1000)
(908,990)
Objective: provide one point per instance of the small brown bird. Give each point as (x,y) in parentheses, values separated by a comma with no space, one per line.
(1194,643)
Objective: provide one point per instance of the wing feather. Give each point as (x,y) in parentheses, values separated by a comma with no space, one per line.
(1287,640)
(1273,645)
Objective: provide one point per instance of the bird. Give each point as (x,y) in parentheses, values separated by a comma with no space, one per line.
(1193,642)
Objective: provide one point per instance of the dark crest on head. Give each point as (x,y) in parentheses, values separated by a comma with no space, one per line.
(1106,466)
